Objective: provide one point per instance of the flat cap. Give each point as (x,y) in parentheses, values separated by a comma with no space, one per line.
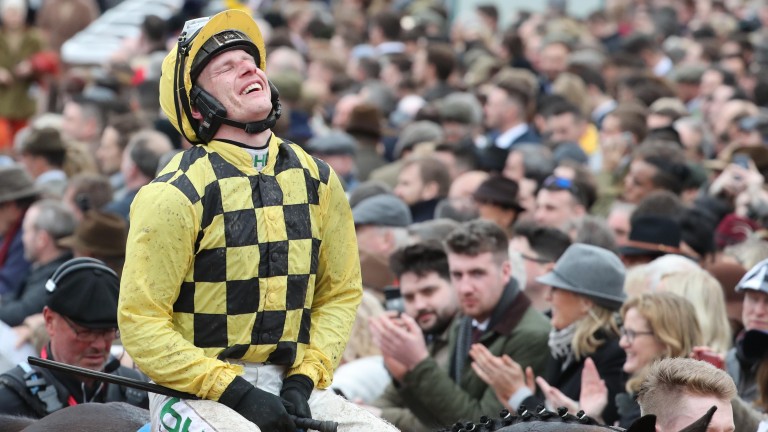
(334,143)
(382,210)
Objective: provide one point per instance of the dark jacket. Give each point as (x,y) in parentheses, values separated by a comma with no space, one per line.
(628,409)
(424,210)
(18,398)
(493,158)
(516,329)
(31,298)
(367,158)
(15,268)
(743,370)
(122,206)
(609,359)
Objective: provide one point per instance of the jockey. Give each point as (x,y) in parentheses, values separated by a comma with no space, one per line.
(81,320)
(242,276)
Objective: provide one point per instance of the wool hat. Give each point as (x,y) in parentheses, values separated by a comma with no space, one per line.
(85,290)
(102,233)
(756,278)
(570,151)
(734,229)
(499,191)
(333,143)
(417,133)
(591,271)
(290,85)
(382,210)
(15,183)
(653,235)
(44,141)
(365,119)
(463,108)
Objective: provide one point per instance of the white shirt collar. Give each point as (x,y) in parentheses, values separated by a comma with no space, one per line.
(506,139)
(50,176)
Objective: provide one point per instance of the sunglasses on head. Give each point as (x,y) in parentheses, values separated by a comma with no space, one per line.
(562,183)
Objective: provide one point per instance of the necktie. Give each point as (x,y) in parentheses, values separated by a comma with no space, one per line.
(477,333)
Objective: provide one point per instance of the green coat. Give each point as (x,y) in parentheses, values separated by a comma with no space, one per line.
(516,329)
(393,408)
(15,101)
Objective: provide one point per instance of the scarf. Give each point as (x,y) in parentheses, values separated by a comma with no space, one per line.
(560,344)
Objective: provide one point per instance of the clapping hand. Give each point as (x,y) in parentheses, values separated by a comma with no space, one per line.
(556,398)
(592,399)
(503,374)
(401,342)
(594,394)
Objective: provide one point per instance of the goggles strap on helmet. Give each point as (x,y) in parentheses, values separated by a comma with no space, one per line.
(182,102)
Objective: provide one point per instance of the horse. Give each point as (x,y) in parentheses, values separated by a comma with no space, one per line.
(103,417)
(123,417)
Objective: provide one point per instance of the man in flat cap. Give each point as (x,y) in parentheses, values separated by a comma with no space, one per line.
(81,320)
(381,223)
(338,150)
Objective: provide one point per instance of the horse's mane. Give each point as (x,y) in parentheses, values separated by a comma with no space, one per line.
(543,420)
(539,419)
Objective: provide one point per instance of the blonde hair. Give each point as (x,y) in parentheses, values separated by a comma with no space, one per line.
(672,319)
(636,281)
(79,160)
(585,340)
(668,380)
(360,340)
(572,88)
(749,252)
(706,295)
(665,265)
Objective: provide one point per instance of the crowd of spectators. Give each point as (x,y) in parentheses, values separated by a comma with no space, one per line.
(592,189)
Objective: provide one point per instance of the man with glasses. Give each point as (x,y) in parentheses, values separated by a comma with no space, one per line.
(539,247)
(81,321)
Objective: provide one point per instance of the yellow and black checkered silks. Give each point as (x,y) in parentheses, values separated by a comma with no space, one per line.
(227,262)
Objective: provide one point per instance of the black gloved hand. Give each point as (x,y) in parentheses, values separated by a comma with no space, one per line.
(262,408)
(296,390)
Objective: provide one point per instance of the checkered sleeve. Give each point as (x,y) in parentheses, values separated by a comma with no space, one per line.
(160,248)
(338,287)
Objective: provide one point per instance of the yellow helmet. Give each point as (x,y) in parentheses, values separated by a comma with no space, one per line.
(200,41)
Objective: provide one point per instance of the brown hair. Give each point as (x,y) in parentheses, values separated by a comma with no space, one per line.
(668,380)
(477,237)
(432,170)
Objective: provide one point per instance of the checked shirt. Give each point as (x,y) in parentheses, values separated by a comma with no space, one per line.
(225,262)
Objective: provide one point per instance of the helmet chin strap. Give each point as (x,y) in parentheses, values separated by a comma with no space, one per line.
(214,114)
(253,127)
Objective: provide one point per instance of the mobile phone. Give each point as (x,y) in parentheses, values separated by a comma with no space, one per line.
(393,300)
(712,358)
(741,160)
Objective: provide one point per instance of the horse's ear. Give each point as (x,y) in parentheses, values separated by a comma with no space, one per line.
(702,423)
(646,423)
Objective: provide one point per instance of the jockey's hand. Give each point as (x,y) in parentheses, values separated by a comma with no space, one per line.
(296,390)
(262,408)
